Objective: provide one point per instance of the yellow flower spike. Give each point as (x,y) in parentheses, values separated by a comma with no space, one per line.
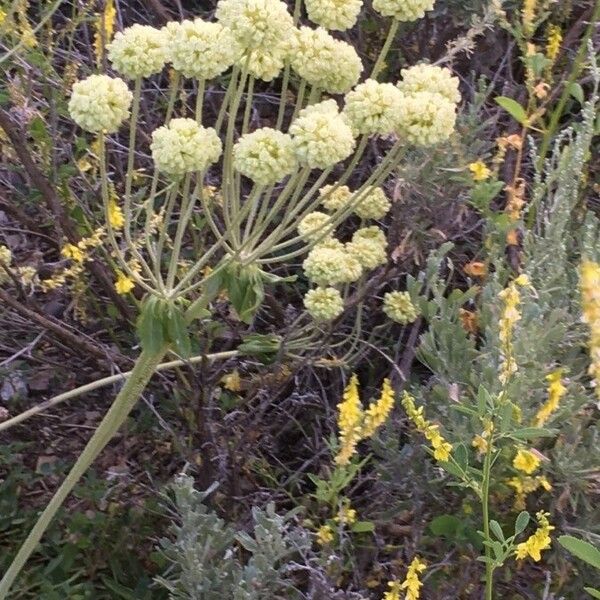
(105,27)
(350,418)
(556,391)
(346,515)
(526,461)
(441,448)
(412,584)
(539,541)
(325,535)
(378,412)
(394,592)
(480,444)
(554,42)
(115,215)
(590,302)
(73,252)
(124,284)
(479,171)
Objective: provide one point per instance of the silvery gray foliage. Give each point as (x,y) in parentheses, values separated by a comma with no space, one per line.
(211,560)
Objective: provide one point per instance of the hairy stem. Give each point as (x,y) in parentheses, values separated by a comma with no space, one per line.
(126,399)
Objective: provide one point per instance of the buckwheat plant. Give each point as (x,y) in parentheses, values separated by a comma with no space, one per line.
(283,190)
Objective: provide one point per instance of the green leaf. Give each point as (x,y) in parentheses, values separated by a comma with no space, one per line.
(150,325)
(594,593)
(363,527)
(581,549)
(461,456)
(497,530)
(452,469)
(531,433)
(445,525)
(513,108)
(521,522)
(178,332)
(576,91)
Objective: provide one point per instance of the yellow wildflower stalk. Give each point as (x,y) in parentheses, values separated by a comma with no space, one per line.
(479,171)
(412,584)
(350,417)
(590,301)
(355,424)
(324,535)
(511,300)
(556,390)
(554,42)
(441,448)
(539,541)
(123,284)
(105,27)
(524,485)
(25,29)
(115,215)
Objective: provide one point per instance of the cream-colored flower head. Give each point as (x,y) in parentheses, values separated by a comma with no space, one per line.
(334,14)
(332,243)
(403,10)
(315,226)
(265,156)
(331,266)
(138,51)
(262,24)
(201,49)
(429,78)
(334,199)
(183,146)
(399,307)
(5,261)
(369,253)
(324,304)
(321,136)
(264,64)
(372,107)
(327,63)
(374,204)
(369,246)
(426,119)
(373,234)
(100,103)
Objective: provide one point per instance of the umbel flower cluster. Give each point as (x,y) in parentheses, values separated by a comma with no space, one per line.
(338,107)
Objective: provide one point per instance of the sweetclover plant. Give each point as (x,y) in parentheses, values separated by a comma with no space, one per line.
(282,190)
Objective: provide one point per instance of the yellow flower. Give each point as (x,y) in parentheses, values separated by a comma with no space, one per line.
(105,27)
(232,381)
(554,42)
(411,584)
(394,591)
(73,252)
(324,535)
(441,448)
(524,485)
(539,541)
(479,171)
(124,284)
(378,412)
(556,390)
(526,461)
(346,515)
(115,215)
(350,417)
(590,301)
(480,443)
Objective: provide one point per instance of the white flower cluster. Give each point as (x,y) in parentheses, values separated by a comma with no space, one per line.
(321,136)
(373,203)
(265,156)
(403,10)
(373,107)
(183,146)
(334,14)
(398,307)
(100,103)
(138,51)
(265,24)
(368,246)
(324,62)
(324,303)
(201,49)
(327,265)
(315,226)
(429,78)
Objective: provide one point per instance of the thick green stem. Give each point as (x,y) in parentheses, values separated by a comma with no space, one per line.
(485,505)
(386,48)
(126,399)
